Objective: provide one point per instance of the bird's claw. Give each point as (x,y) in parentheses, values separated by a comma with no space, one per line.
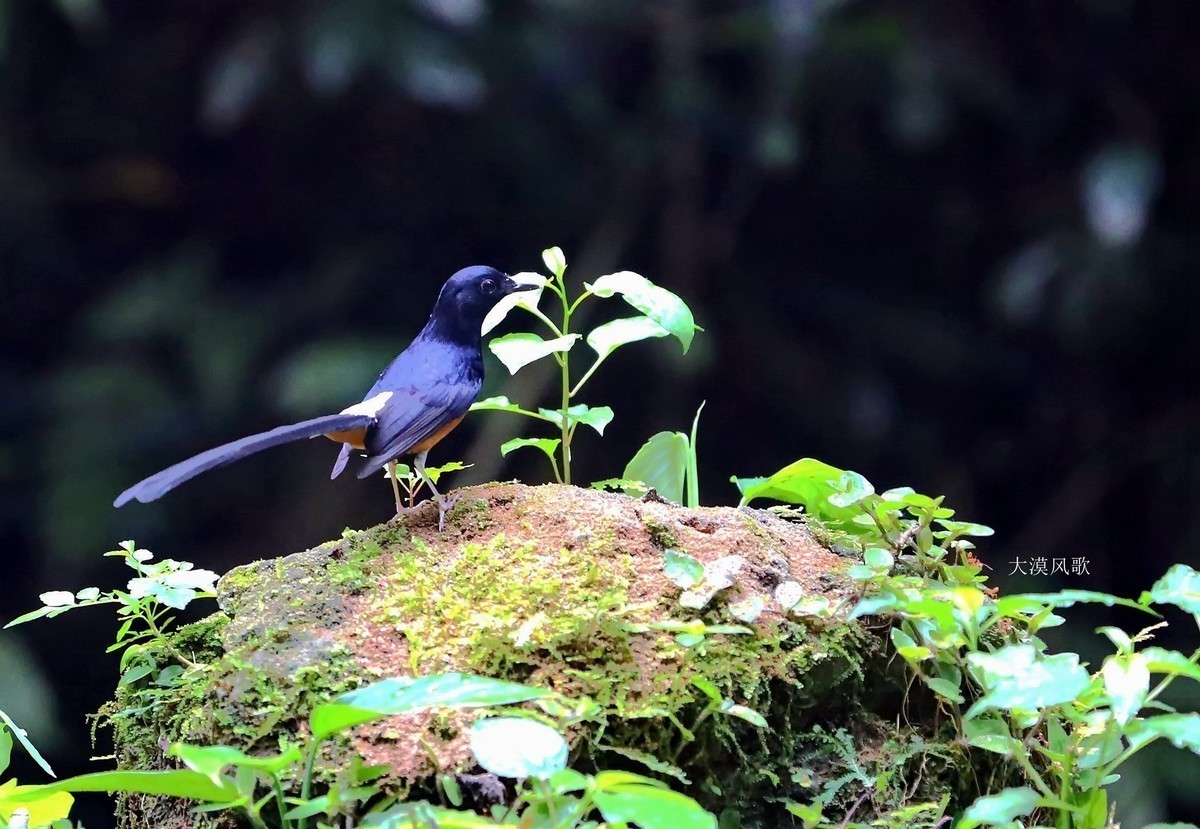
(445,503)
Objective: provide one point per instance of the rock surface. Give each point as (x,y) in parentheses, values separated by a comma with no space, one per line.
(565,588)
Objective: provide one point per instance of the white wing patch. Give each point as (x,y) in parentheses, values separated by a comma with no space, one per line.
(369,407)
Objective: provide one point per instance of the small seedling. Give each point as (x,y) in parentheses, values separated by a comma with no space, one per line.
(661,314)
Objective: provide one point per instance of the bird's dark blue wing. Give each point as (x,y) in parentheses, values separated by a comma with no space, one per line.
(414,415)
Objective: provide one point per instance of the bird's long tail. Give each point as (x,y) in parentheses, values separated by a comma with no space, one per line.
(160,483)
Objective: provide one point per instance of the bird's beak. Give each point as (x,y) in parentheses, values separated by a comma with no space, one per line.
(516,287)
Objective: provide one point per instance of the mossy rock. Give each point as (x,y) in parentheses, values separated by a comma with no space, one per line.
(564,588)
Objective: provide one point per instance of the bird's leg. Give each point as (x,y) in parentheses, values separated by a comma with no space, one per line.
(444,502)
(400,508)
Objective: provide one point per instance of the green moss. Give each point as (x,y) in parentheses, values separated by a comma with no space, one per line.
(662,535)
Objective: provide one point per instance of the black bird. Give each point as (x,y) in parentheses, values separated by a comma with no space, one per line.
(417,400)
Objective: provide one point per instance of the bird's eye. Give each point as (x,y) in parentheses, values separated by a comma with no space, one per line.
(488,286)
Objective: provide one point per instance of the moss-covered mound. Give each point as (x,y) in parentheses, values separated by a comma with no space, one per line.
(564,588)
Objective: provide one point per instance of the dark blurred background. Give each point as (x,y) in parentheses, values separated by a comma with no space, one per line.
(948,245)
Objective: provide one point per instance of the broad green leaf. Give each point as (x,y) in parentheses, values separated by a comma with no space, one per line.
(682,569)
(569,780)
(5,748)
(1126,681)
(1017,677)
(1182,730)
(519,350)
(659,304)
(651,807)
(1180,587)
(35,614)
(21,737)
(518,747)
(522,299)
(607,338)
(43,810)
(212,760)
(946,689)
(184,783)
(807,482)
(1163,661)
(747,609)
(998,809)
(907,647)
(661,463)
(597,417)
(547,445)
(403,694)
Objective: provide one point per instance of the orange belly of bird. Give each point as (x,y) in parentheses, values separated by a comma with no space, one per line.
(354,437)
(357,438)
(432,440)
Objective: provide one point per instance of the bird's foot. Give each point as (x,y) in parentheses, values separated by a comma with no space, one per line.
(402,511)
(445,503)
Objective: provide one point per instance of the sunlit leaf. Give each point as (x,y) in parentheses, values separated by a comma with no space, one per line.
(1018,677)
(1180,587)
(682,569)
(521,299)
(518,747)
(1126,681)
(607,338)
(519,350)
(1182,730)
(555,260)
(659,304)
(1163,661)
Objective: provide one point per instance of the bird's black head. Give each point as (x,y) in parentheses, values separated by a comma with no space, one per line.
(465,300)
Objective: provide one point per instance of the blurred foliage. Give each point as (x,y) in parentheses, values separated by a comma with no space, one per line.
(952,244)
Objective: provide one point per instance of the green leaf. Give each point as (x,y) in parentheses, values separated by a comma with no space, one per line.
(743,712)
(1163,661)
(521,299)
(57,598)
(634,489)
(851,488)
(661,463)
(5,748)
(957,528)
(597,417)
(1182,730)
(650,807)
(555,260)
(519,350)
(659,304)
(945,689)
(547,445)
(184,783)
(1035,602)
(807,482)
(22,738)
(425,816)
(998,809)
(1180,587)
(646,759)
(44,809)
(682,569)
(518,747)
(1126,681)
(212,760)
(607,338)
(403,694)
(435,473)
(1017,677)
